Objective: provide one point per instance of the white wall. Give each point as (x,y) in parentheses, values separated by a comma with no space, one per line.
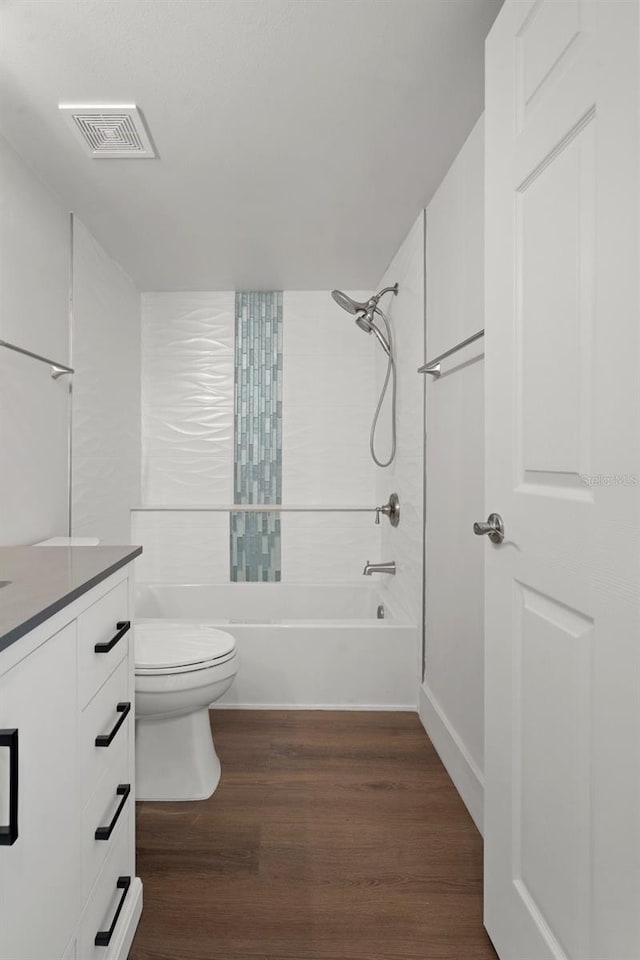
(187,437)
(451,703)
(106,393)
(404,477)
(34,314)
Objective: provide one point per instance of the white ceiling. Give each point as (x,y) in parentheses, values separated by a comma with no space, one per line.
(297,139)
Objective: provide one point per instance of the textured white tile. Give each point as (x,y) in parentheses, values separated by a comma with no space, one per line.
(182,547)
(314,324)
(201,383)
(188,480)
(328,547)
(322,379)
(188,387)
(324,432)
(187,431)
(185,324)
(316,477)
(328,402)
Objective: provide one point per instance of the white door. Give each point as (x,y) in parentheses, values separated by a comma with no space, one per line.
(40,871)
(562,802)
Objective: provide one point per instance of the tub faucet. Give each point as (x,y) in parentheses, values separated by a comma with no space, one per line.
(388,567)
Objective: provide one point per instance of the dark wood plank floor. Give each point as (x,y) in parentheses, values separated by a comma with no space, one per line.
(332,836)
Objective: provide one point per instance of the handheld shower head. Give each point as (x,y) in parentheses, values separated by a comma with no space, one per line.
(348,303)
(365,322)
(365,317)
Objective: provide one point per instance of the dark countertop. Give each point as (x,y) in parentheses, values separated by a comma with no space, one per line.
(46,579)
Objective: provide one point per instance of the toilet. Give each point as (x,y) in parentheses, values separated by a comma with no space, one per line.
(180,668)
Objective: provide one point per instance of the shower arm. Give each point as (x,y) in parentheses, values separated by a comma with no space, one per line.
(393,289)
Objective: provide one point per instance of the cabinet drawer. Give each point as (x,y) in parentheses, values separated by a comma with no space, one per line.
(103,624)
(108,717)
(108,908)
(106,813)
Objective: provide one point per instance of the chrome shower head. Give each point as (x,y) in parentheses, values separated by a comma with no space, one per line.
(348,303)
(366,307)
(366,314)
(365,311)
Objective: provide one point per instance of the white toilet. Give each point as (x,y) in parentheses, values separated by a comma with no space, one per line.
(180,669)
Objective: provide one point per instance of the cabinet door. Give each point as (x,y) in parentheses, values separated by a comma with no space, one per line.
(40,871)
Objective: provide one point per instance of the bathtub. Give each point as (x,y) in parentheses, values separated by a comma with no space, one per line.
(302,646)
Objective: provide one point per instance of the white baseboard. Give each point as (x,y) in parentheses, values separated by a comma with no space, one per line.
(400,707)
(467,778)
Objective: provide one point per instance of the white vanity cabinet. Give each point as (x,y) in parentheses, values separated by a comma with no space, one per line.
(68,889)
(39,870)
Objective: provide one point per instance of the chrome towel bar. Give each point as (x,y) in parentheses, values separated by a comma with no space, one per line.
(247,508)
(390,509)
(433,366)
(57,369)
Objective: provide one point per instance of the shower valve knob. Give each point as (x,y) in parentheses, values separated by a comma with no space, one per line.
(391,510)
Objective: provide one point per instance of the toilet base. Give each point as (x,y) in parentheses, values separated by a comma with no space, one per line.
(176,758)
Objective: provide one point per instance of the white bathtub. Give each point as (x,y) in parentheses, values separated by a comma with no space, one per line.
(302,646)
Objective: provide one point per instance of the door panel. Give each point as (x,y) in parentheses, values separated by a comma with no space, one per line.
(562,610)
(546,43)
(551,745)
(554,315)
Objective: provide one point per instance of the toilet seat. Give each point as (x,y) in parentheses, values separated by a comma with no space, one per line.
(170,647)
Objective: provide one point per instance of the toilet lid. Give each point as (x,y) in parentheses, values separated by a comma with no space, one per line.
(166,644)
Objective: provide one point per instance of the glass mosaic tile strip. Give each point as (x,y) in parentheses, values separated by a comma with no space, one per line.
(255,538)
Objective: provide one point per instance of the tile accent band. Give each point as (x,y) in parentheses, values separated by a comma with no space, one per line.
(255,537)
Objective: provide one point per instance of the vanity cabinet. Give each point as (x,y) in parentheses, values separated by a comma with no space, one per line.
(38,701)
(68,889)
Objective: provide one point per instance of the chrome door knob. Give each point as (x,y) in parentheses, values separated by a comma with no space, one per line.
(494,528)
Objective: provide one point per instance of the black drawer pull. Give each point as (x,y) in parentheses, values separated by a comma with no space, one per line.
(9,833)
(103,833)
(104,739)
(103,937)
(122,627)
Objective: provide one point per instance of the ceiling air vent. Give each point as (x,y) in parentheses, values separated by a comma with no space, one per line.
(111,132)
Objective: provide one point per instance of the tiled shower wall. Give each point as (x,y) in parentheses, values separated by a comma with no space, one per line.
(329,375)
(405,476)
(106,393)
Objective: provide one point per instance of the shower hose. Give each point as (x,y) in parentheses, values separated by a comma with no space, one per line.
(390,375)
